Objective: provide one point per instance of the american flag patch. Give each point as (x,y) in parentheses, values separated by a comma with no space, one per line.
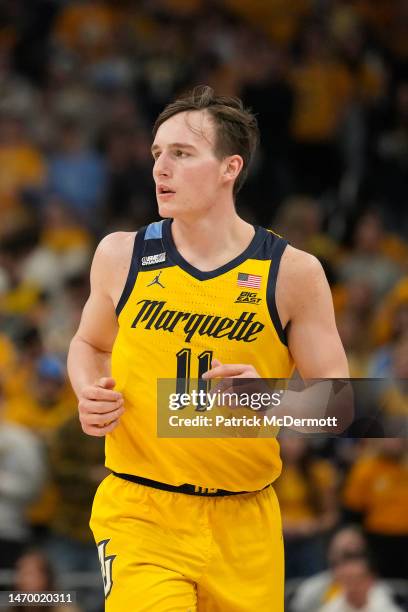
(249,280)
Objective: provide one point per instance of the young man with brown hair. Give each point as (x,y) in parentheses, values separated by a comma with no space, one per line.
(193,524)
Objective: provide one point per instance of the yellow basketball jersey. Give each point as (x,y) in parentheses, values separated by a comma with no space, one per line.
(173,319)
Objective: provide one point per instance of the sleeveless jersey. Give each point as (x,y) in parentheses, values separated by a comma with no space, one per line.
(171,315)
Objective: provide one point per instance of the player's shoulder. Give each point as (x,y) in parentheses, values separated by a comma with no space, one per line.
(295,261)
(112,257)
(300,275)
(115,247)
(115,243)
(298,265)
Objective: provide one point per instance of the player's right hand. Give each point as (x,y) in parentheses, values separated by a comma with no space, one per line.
(100,407)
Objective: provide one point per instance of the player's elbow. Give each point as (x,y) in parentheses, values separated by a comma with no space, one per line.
(80,341)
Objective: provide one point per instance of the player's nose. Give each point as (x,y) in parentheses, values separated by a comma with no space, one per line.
(162,167)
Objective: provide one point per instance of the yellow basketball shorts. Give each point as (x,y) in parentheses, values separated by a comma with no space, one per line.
(170,552)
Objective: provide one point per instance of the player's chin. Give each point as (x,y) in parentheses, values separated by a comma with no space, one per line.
(167,210)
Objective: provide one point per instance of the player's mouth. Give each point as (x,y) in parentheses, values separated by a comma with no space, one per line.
(164,192)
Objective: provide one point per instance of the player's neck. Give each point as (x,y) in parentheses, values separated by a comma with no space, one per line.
(208,243)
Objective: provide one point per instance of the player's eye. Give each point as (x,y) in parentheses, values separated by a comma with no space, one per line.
(180,153)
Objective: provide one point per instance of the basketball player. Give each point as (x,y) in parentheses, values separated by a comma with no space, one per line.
(193,524)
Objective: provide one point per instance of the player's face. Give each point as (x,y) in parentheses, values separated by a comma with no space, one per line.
(187,173)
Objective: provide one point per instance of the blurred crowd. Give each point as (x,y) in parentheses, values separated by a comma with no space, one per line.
(81,82)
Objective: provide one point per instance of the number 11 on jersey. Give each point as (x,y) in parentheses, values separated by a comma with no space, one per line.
(184,372)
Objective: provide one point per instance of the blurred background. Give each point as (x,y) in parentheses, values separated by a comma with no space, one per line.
(81,83)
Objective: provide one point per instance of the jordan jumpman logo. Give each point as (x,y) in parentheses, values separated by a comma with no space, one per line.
(156,280)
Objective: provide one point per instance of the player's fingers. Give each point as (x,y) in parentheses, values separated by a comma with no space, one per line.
(106,382)
(86,406)
(101,419)
(99,431)
(235,384)
(215,363)
(248,372)
(98,393)
(225,371)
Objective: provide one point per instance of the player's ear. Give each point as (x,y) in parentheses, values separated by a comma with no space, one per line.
(232,167)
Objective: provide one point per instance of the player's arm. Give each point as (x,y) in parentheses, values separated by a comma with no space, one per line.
(304,301)
(89,357)
(305,305)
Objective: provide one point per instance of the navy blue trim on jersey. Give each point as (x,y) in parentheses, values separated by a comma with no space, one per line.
(154,230)
(133,270)
(187,489)
(152,248)
(278,248)
(257,240)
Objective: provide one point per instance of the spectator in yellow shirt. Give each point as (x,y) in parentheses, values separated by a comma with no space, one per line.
(306,492)
(377,490)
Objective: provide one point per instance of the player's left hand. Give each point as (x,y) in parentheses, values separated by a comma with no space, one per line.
(236,378)
(230,370)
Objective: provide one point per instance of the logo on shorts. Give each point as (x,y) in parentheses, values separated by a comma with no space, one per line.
(247,297)
(106,566)
(151,260)
(205,490)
